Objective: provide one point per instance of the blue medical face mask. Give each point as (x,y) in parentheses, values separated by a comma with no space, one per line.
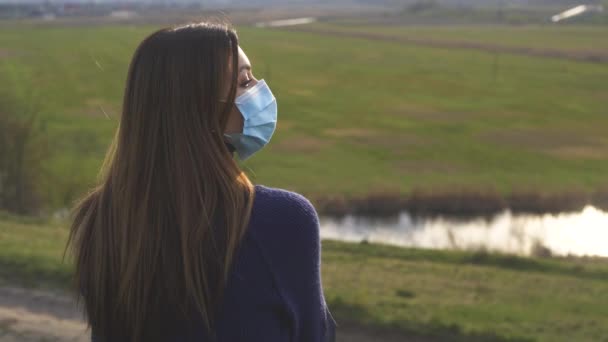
(259,109)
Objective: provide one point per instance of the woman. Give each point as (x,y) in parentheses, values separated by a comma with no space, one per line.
(176,244)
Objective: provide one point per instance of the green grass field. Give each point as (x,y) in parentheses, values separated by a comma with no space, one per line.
(355,115)
(359,116)
(562,38)
(448,296)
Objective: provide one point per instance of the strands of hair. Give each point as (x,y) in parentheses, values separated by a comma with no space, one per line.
(153,242)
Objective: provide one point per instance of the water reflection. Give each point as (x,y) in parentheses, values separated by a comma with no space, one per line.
(583,233)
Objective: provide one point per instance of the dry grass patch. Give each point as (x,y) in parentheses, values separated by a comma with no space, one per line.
(558,143)
(423,114)
(427,166)
(300,143)
(351,132)
(596,152)
(375,138)
(587,55)
(7,53)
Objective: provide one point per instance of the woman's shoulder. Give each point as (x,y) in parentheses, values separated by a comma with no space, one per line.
(283,213)
(285,225)
(283,203)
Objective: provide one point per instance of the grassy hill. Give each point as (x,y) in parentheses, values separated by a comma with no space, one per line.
(356,115)
(438,295)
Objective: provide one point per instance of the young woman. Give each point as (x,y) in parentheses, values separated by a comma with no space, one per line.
(175,243)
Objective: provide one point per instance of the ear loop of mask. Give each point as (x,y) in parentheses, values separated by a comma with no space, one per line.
(230,147)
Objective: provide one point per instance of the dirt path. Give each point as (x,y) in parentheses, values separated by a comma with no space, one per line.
(35,316)
(593,56)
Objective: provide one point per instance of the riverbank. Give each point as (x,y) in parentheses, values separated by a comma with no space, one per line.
(398,293)
(462,203)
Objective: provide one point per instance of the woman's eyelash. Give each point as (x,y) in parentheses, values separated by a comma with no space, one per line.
(244,84)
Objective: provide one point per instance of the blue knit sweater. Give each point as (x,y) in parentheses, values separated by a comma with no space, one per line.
(274,293)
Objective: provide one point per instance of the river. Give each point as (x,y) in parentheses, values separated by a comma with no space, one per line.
(579,233)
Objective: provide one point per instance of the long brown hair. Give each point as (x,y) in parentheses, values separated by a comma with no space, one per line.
(153,242)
